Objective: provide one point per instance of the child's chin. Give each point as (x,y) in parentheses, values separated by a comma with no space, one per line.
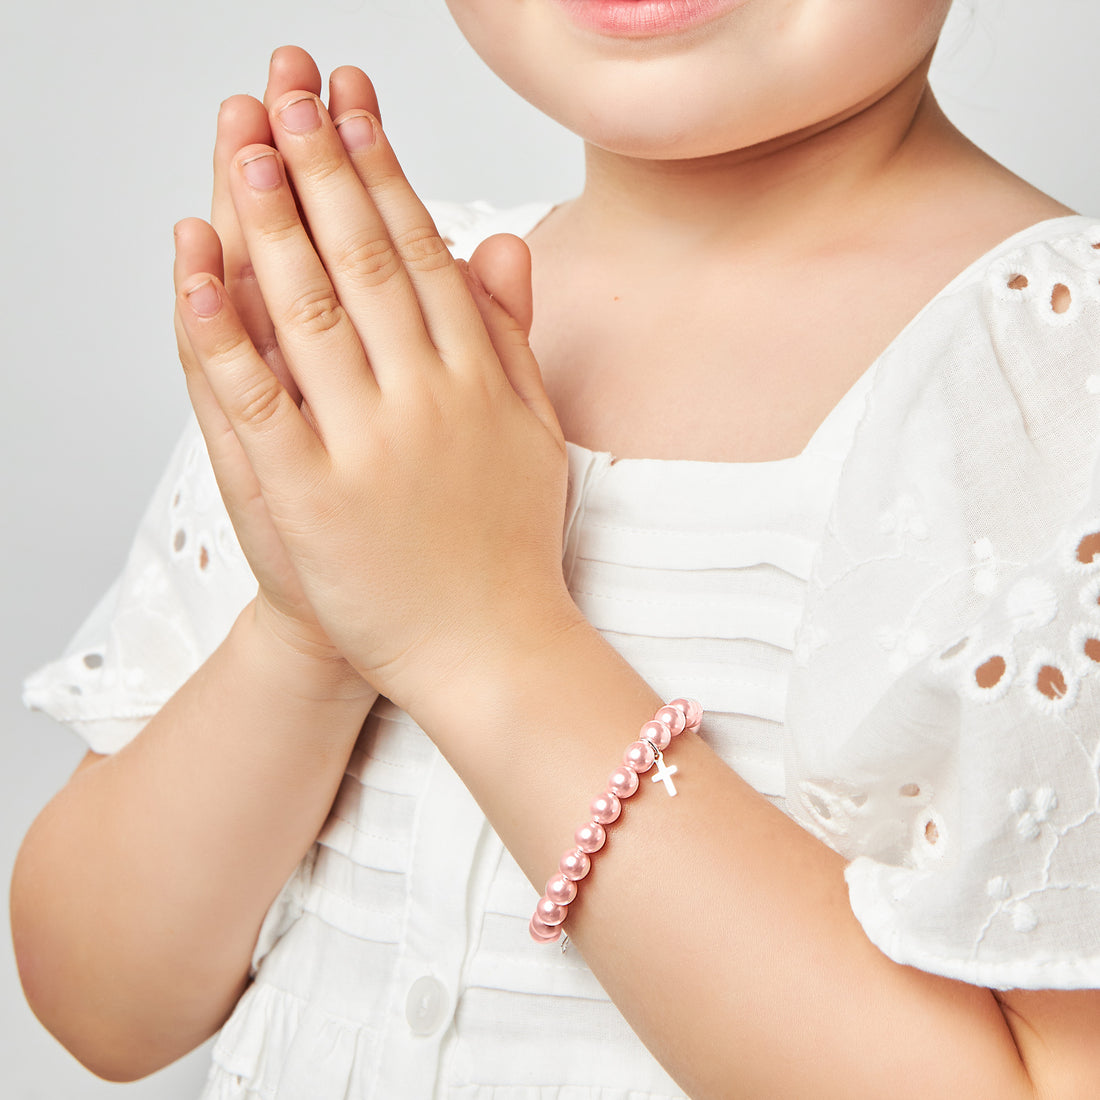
(667,134)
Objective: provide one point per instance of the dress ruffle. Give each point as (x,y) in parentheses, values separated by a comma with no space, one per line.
(278,1046)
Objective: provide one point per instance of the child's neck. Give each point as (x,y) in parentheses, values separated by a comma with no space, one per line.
(771,197)
(718,309)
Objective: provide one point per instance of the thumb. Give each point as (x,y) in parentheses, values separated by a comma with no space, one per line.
(499,277)
(503,264)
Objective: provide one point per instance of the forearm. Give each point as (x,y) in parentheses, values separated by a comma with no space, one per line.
(719,926)
(140,889)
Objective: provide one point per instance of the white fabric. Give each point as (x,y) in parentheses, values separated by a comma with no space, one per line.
(957,544)
(396,961)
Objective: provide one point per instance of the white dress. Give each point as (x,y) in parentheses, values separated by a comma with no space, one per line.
(396,961)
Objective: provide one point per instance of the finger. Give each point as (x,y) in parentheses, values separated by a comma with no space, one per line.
(372,282)
(239,486)
(280,446)
(351,89)
(236,479)
(291,68)
(314,329)
(198,251)
(452,321)
(499,274)
(503,264)
(243,121)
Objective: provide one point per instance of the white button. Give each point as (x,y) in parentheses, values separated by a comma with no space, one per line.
(426,1006)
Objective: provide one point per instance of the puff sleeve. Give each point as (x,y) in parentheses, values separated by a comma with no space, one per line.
(183,584)
(944,711)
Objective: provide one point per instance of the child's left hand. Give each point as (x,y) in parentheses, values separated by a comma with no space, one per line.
(419,488)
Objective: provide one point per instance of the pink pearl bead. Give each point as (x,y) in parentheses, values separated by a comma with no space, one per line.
(561,889)
(639,757)
(590,838)
(606,808)
(658,733)
(693,712)
(623,782)
(673,717)
(550,912)
(542,933)
(575,864)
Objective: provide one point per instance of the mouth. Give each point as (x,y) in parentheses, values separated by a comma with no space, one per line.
(644,18)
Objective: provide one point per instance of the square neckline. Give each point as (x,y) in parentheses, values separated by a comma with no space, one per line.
(841,420)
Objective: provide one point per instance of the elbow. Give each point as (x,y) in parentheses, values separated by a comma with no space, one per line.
(78,1027)
(114,1046)
(69,1003)
(109,1049)
(118,1067)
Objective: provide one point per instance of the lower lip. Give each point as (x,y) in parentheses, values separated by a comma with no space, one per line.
(644,18)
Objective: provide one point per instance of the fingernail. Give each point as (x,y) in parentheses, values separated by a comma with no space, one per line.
(301,116)
(204,299)
(356,130)
(262,171)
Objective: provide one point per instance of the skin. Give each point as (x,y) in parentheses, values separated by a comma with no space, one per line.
(495,682)
(795,206)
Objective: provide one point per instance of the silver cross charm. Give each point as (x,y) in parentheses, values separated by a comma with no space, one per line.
(664,774)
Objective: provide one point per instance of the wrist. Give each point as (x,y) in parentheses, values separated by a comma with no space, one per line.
(535,681)
(297,660)
(534,729)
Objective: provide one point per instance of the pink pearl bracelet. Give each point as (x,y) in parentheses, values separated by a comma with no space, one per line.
(655,736)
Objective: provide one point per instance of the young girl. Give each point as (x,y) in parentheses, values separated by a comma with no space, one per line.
(827,373)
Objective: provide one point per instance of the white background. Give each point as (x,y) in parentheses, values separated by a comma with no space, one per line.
(109,109)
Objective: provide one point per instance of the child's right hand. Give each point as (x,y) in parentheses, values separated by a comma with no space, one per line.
(281,604)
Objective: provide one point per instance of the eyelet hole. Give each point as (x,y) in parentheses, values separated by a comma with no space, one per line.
(1051,682)
(1088,548)
(990,674)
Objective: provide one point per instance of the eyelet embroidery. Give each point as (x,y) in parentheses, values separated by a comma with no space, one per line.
(834,809)
(1061,298)
(1020,913)
(989,676)
(1051,685)
(1032,810)
(1012,618)
(1082,548)
(1089,596)
(930,838)
(1024,917)
(1085,647)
